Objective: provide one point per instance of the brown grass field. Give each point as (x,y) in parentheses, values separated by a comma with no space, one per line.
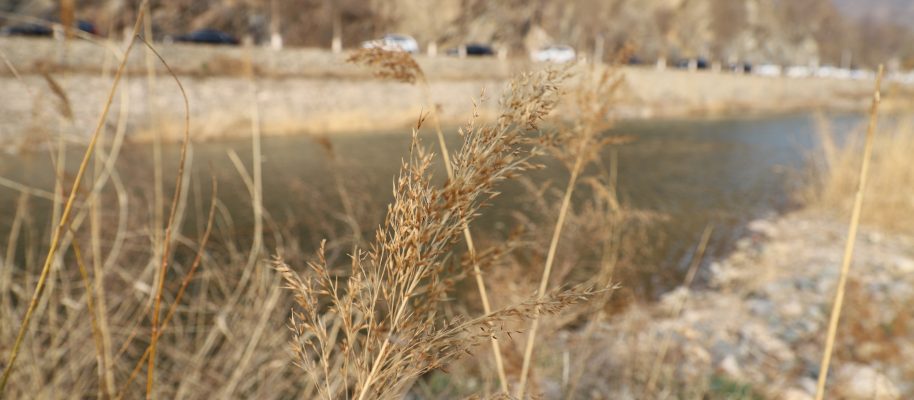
(119,293)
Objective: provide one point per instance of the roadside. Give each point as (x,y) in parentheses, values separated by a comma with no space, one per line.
(317,92)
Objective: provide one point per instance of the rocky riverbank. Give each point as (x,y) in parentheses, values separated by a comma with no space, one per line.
(757,329)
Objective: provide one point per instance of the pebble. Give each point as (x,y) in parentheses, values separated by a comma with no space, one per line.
(856,381)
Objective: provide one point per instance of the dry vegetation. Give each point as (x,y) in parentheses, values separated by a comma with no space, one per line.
(889,206)
(128,303)
(125,289)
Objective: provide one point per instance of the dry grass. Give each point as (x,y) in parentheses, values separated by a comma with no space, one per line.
(375,335)
(834,183)
(372,318)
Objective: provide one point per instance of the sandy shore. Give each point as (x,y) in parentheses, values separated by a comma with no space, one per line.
(317,92)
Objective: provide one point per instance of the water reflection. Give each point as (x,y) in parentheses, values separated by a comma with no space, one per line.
(723,172)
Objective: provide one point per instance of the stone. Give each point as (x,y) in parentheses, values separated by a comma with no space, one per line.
(792,309)
(763,227)
(730,366)
(796,394)
(760,307)
(855,381)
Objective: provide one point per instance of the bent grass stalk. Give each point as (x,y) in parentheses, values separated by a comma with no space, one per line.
(166,245)
(851,238)
(104,390)
(65,216)
(198,259)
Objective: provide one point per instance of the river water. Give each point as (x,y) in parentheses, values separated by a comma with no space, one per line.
(695,172)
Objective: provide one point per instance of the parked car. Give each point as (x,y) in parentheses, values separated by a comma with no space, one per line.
(688,63)
(768,70)
(635,60)
(740,67)
(208,36)
(554,53)
(38,30)
(394,42)
(473,50)
(478,49)
(799,71)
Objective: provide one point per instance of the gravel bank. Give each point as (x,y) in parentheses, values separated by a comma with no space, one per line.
(758,328)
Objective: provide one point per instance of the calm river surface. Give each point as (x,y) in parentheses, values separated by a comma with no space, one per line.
(695,172)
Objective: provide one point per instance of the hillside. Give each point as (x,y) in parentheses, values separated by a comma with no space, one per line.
(781,31)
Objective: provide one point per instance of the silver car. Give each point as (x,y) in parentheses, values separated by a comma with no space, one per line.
(394,42)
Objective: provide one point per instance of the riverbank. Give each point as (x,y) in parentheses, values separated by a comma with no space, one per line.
(62,88)
(758,329)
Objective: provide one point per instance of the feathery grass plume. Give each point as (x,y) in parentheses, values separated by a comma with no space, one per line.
(388,64)
(372,336)
(401,66)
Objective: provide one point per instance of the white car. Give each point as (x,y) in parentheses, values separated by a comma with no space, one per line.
(555,53)
(799,71)
(767,70)
(394,42)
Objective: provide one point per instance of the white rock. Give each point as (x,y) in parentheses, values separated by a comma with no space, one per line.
(796,394)
(904,265)
(792,309)
(856,381)
(731,367)
(763,227)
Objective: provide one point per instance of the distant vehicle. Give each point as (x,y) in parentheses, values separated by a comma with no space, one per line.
(740,67)
(799,71)
(27,30)
(555,53)
(768,70)
(862,74)
(394,42)
(207,36)
(473,50)
(477,49)
(39,30)
(635,60)
(697,63)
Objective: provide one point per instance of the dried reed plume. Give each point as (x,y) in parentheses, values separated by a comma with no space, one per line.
(394,64)
(388,64)
(374,335)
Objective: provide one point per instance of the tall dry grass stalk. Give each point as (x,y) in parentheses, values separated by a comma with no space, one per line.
(378,331)
(575,147)
(836,175)
(171,225)
(402,67)
(64,220)
(851,239)
(657,364)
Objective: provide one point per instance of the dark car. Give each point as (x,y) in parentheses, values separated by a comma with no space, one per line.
(208,36)
(699,63)
(473,50)
(740,68)
(476,49)
(30,29)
